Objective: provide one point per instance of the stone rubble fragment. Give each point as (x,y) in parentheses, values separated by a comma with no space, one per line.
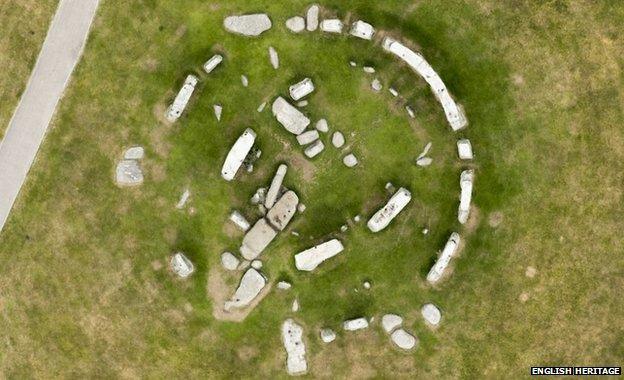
(301,89)
(322,126)
(314,149)
(183,199)
(276,185)
(331,26)
(431,314)
(229,261)
(338,139)
(257,239)
(181,100)
(308,137)
(181,265)
(368,69)
(352,64)
(273,57)
(134,153)
(393,91)
(376,85)
(292,338)
(295,306)
(284,285)
(248,25)
(311,258)
(261,107)
(344,228)
(328,335)
(410,112)
(390,322)
(295,24)
(259,196)
(237,154)
(362,30)
(403,339)
(301,207)
(466,180)
(291,118)
(302,103)
(212,63)
(244,81)
(282,212)
(218,110)
(239,220)
(444,259)
(250,286)
(464,149)
(390,210)
(355,324)
(350,160)
(312,18)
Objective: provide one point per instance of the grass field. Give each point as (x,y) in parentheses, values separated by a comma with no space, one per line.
(84,289)
(24,26)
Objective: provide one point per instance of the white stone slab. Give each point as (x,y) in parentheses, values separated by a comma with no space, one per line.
(338,139)
(218,111)
(466,180)
(292,338)
(464,149)
(229,261)
(273,57)
(250,286)
(362,30)
(389,322)
(314,149)
(247,25)
(282,212)
(355,324)
(237,154)
(128,173)
(350,160)
(183,199)
(181,265)
(239,220)
(295,24)
(181,100)
(212,63)
(331,26)
(431,314)
(327,335)
(134,153)
(309,259)
(308,137)
(322,126)
(312,18)
(301,89)
(384,216)
(276,185)
(444,259)
(403,339)
(257,239)
(290,117)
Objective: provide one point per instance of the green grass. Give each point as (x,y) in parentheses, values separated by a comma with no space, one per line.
(79,294)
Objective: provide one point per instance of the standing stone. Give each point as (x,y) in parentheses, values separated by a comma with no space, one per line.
(181,265)
(338,139)
(273,57)
(295,24)
(328,335)
(389,322)
(410,112)
(362,30)
(322,126)
(256,264)
(312,16)
(282,212)
(239,220)
(331,26)
(301,89)
(464,149)
(431,314)
(350,160)
(247,25)
(250,286)
(403,339)
(314,149)
(308,137)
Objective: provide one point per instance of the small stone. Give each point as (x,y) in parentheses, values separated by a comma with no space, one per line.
(250,168)
(244,81)
(261,107)
(312,18)
(355,324)
(431,314)
(273,57)
(376,85)
(403,339)
(389,322)
(367,285)
(183,199)
(424,161)
(295,306)
(368,69)
(308,137)
(357,218)
(390,188)
(295,24)
(352,64)
(425,231)
(301,207)
(294,233)
(464,149)
(229,261)
(256,264)
(314,149)
(328,335)
(322,126)
(302,103)
(410,112)
(284,285)
(338,139)
(350,160)
(218,110)
(393,91)
(344,228)
(134,153)
(248,25)
(426,150)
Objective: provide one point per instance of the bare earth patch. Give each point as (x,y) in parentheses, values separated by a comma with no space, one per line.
(495,219)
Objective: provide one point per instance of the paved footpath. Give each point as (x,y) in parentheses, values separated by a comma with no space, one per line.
(59,54)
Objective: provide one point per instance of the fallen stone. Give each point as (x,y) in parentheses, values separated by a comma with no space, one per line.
(338,139)
(350,160)
(295,306)
(362,30)
(250,286)
(464,149)
(263,210)
(181,265)
(292,338)
(410,112)
(212,63)
(273,57)
(322,126)
(229,261)
(237,154)
(301,89)
(312,18)
(389,322)
(239,220)
(128,173)
(448,252)
(466,180)
(328,335)
(291,118)
(134,153)
(311,258)
(403,339)
(256,264)
(426,150)
(431,314)
(276,185)
(295,24)
(247,25)
(424,161)
(314,149)
(283,210)
(369,69)
(384,216)
(376,85)
(183,199)
(284,285)
(244,80)
(182,98)
(218,110)
(308,137)
(257,239)
(259,196)
(393,91)
(331,26)
(261,107)
(355,324)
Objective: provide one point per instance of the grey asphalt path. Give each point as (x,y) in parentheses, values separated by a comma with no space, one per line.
(59,54)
